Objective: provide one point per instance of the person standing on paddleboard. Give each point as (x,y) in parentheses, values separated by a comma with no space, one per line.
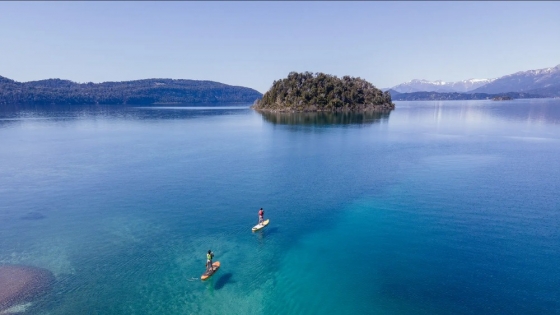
(261,216)
(209,257)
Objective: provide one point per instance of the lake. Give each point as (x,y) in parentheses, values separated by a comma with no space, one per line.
(448,207)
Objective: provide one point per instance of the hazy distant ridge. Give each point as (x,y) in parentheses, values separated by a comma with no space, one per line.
(138,92)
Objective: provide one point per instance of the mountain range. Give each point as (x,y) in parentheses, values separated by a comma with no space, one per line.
(138,92)
(532,83)
(522,84)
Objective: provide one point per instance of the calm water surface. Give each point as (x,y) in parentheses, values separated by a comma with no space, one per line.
(435,208)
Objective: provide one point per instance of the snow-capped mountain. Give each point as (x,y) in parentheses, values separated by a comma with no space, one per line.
(470,84)
(541,81)
(524,81)
(441,86)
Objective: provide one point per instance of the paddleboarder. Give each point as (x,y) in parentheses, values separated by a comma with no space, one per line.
(209,257)
(261,215)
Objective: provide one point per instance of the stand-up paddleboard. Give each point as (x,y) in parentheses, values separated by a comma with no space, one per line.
(260,225)
(209,273)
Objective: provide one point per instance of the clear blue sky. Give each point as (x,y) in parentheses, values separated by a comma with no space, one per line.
(253,43)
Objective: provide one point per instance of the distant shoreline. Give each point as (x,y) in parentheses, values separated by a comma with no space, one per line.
(455,96)
(138,92)
(480,100)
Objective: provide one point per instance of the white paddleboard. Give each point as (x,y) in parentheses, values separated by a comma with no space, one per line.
(260,225)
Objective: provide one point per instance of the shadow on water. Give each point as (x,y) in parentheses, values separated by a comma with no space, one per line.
(223,280)
(325,118)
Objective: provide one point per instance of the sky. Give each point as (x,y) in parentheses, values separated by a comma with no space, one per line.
(254,43)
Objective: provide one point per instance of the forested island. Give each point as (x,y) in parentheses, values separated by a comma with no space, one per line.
(138,92)
(316,92)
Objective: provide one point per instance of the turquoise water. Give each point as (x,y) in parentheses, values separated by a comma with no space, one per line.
(435,208)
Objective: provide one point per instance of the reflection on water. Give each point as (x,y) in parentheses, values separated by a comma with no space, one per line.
(524,110)
(530,110)
(11,114)
(325,118)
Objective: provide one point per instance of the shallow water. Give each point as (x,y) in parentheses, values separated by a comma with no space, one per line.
(434,208)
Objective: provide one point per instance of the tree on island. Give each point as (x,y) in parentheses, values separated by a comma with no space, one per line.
(308,92)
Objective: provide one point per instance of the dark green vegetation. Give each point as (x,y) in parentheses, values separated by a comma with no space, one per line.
(308,92)
(138,92)
(435,96)
(502,98)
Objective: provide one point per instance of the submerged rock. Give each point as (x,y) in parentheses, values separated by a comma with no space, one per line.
(33,216)
(20,284)
(20,308)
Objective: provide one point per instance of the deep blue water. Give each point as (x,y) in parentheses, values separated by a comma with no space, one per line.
(436,208)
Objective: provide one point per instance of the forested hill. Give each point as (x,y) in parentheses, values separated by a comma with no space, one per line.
(308,92)
(138,92)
